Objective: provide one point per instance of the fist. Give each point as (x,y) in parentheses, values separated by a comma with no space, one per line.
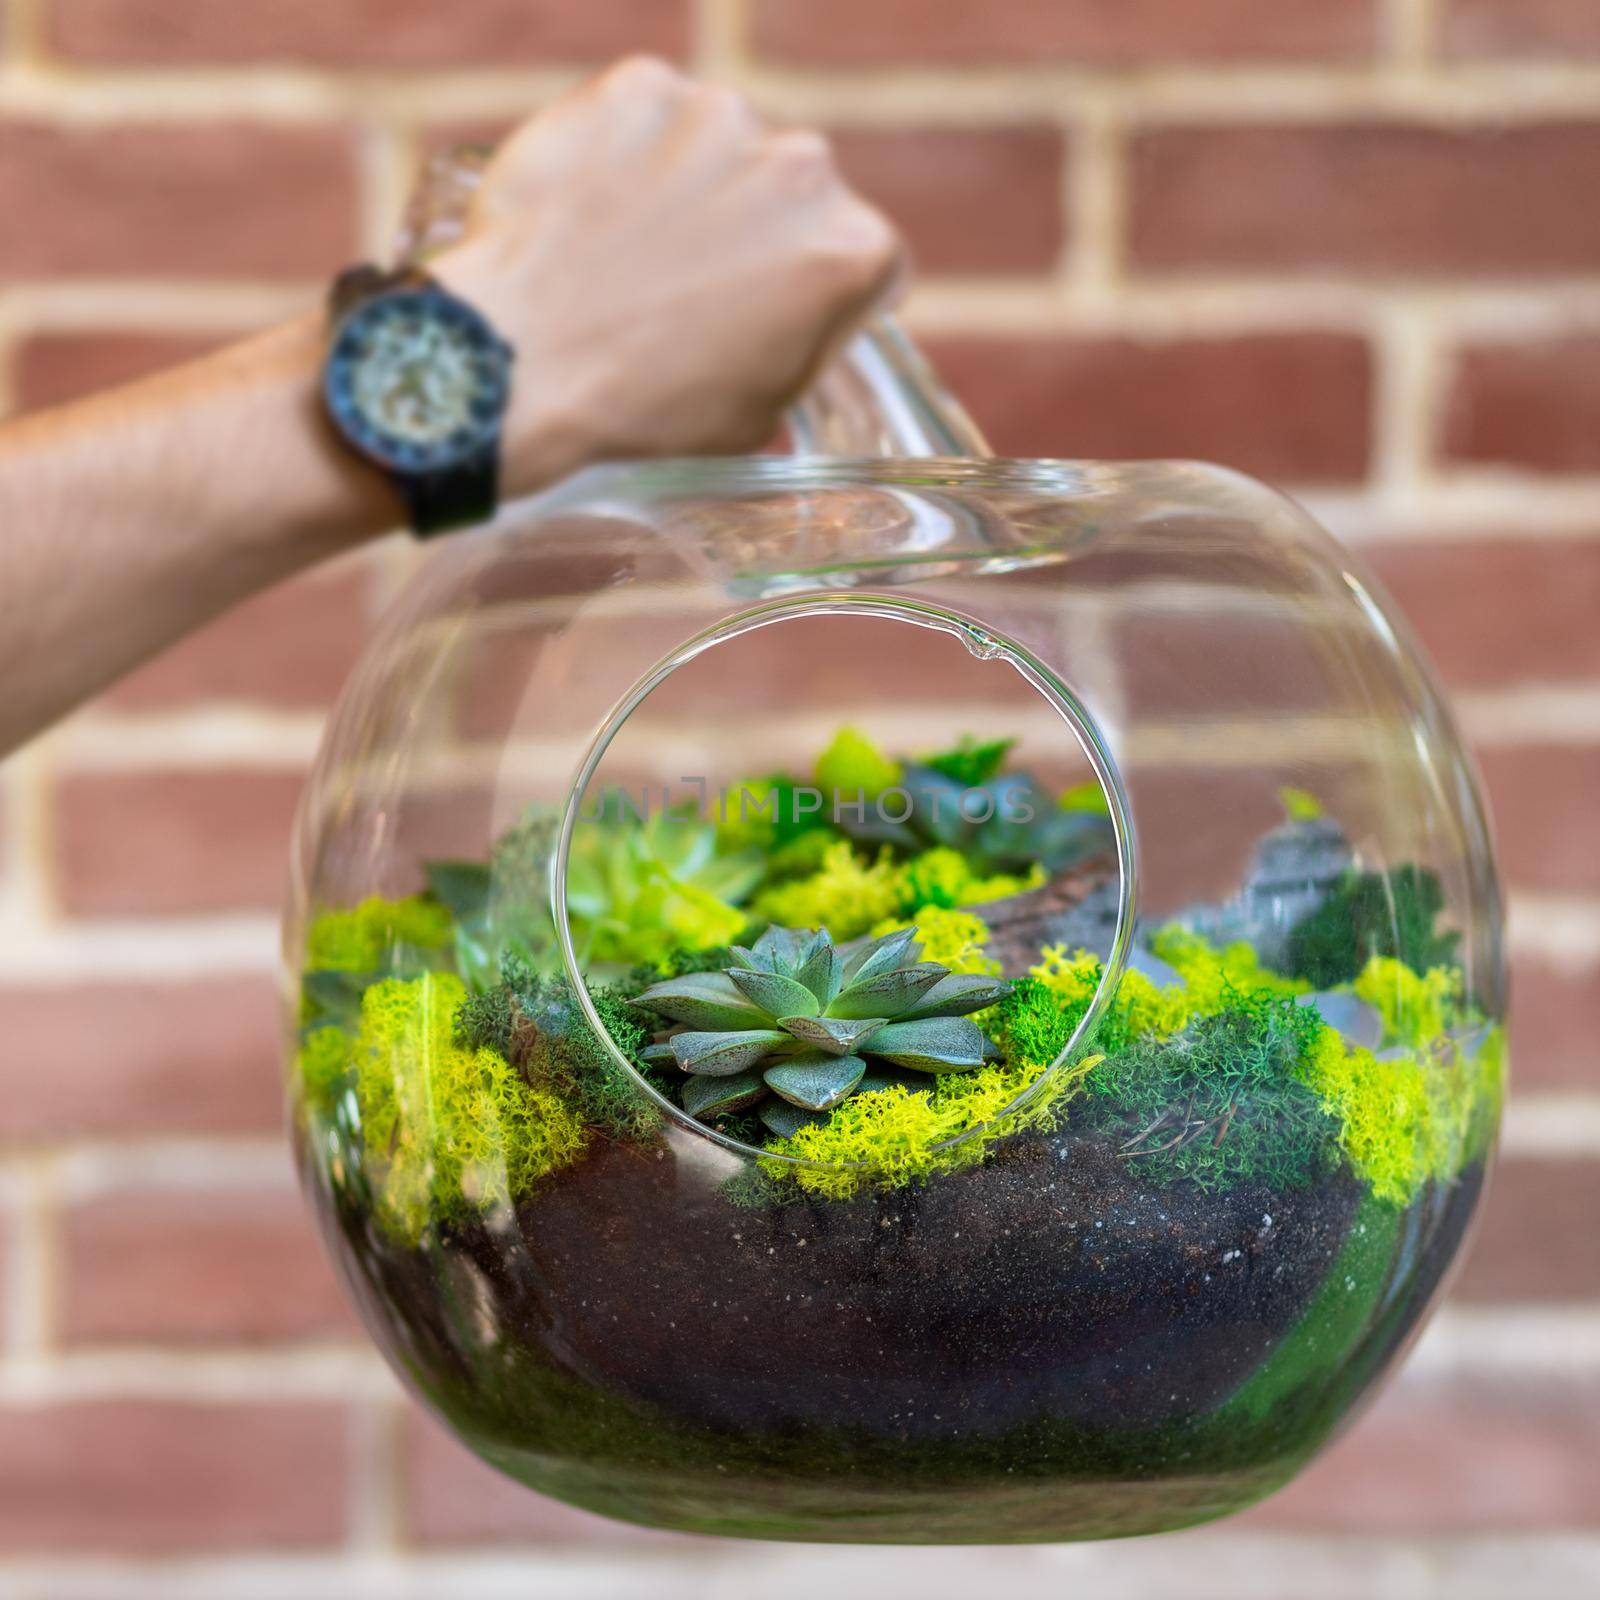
(671,272)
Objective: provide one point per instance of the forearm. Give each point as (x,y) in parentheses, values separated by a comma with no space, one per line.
(130,518)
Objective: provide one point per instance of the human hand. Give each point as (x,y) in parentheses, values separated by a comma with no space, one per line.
(671,273)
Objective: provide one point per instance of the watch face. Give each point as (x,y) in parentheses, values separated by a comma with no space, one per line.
(417,380)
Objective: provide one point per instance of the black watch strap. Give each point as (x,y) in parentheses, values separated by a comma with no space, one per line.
(440,502)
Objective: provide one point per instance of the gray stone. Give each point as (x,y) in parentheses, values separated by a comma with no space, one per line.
(1292,871)
(1359,1022)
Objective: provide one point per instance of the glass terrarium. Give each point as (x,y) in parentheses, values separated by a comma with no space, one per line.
(893,995)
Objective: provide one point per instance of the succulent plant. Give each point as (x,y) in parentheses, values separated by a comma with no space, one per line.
(789,1029)
(1004,823)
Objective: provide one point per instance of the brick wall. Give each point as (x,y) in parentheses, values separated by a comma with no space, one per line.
(1123,211)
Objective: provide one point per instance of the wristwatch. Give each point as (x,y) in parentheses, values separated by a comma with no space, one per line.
(416,380)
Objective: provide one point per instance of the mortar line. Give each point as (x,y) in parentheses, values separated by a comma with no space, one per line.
(33,1275)
(1405,399)
(374,1514)
(1409,32)
(1449,92)
(387,171)
(720,47)
(1095,181)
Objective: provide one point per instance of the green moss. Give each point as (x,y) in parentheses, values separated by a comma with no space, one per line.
(1317,1348)
(1221,1102)
(446,1130)
(536,1023)
(1372,914)
(367,937)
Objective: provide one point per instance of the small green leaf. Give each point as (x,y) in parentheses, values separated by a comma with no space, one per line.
(703,1000)
(882,1076)
(720,1055)
(822,972)
(659,1054)
(774,994)
(462,887)
(934,1044)
(887,994)
(835,1036)
(971,761)
(786,1120)
(957,995)
(333,999)
(867,959)
(704,1097)
(779,949)
(816,1082)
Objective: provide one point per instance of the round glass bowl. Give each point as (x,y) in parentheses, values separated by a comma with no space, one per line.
(1100,815)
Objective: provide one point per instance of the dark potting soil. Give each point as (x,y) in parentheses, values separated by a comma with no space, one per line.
(1047,1282)
(972,1359)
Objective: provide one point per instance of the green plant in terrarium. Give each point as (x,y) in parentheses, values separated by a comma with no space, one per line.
(639,890)
(791,1027)
(964,800)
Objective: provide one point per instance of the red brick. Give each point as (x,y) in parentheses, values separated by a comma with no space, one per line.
(449,1496)
(1555,28)
(1222,399)
(1536,1240)
(1365,198)
(984,200)
(223,199)
(1546,821)
(1555,1025)
(1441,1458)
(124,1059)
(189,1265)
(891,33)
(53,367)
(291,648)
(1493,612)
(154,843)
(147,1477)
(1531,404)
(364,33)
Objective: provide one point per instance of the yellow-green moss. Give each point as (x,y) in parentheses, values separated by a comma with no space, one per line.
(943,877)
(323,1061)
(888,1136)
(850,893)
(955,939)
(1416,1008)
(446,1130)
(1211,975)
(363,938)
(1415,1116)
(1086,797)
(1139,1009)
(847,896)
(853,765)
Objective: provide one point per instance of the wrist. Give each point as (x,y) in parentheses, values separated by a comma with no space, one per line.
(543,439)
(331,500)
